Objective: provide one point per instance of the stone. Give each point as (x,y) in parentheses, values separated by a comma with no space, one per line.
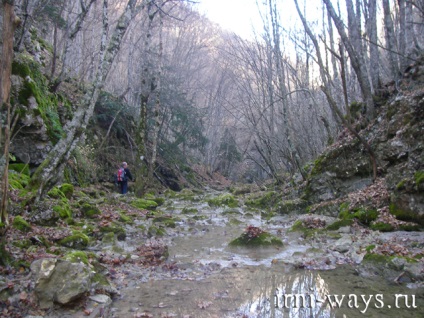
(58,281)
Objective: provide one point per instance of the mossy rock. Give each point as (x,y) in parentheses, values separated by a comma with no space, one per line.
(56,193)
(263,239)
(18,180)
(231,212)
(409,227)
(77,240)
(125,218)
(63,210)
(67,189)
(22,244)
(144,204)
(267,200)
(170,193)
(290,206)
(20,224)
(166,221)
(90,210)
(156,231)
(298,226)
(188,210)
(338,224)
(109,238)
(224,199)
(116,229)
(186,194)
(406,215)
(419,178)
(77,257)
(151,197)
(382,227)
(365,216)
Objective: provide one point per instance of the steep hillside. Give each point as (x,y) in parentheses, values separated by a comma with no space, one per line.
(341,178)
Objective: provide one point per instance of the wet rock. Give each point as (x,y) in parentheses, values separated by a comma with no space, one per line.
(59,281)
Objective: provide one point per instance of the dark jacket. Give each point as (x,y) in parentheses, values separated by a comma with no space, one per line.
(128,174)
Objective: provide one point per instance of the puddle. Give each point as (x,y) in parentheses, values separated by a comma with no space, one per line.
(209,279)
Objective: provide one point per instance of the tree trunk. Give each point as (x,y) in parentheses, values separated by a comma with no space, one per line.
(389,33)
(48,173)
(156,111)
(330,99)
(357,60)
(283,90)
(10,22)
(374,66)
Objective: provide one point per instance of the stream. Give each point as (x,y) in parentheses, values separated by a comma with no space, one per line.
(204,277)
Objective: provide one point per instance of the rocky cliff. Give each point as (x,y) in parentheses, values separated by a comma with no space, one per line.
(341,178)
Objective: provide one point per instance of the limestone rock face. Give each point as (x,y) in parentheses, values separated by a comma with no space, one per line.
(397,139)
(58,281)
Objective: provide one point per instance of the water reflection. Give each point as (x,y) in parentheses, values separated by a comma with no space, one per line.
(336,293)
(299,295)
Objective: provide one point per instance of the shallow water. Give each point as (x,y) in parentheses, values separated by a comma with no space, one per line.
(276,291)
(209,279)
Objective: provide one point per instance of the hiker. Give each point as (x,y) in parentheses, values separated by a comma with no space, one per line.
(122,177)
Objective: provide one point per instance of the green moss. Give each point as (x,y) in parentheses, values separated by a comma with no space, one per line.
(263,239)
(231,212)
(67,189)
(151,197)
(165,220)
(20,168)
(405,215)
(170,194)
(377,258)
(267,200)
(186,194)
(115,228)
(144,204)
(125,218)
(35,85)
(338,224)
(156,231)
(419,178)
(63,210)
(298,226)
(401,185)
(20,224)
(223,199)
(369,248)
(109,238)
(23,244)
(77,257)
(188,210)
(365,216)
(18,180)
(77,240)
(90,210)
(382,227)
(56,193)
(409,227)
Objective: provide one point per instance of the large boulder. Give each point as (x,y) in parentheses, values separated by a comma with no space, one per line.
(59,281)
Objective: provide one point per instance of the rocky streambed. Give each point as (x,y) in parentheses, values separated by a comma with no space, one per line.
(315,273)
(207,254)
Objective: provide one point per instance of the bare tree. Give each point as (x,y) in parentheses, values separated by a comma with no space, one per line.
(10,21)
(52,167)
(357,59)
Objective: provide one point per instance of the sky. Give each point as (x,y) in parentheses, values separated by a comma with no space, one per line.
(234,15)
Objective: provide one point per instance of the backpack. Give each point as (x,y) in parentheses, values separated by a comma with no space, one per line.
(120,176)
